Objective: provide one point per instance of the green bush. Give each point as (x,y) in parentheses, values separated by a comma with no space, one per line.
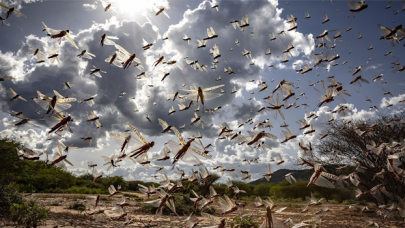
(10,165)
(107,181)
(84,190)
(244,222)
(340,194)
(182,203)
(222,189)
(352,201)
(133,185)
(210,210)
(8,196)
(77,206)
(262,189)
(28,214)
(36,176)
(300,190)
(248,188)
(148,209)
(26,188)
(282,200)
(134,197)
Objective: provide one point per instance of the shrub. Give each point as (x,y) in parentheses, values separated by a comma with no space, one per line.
(300,190)
(148,209)
(346,142)
(204,190)
(262,189)
(341,194)
(133,185)
(352,201)
(84,190)
(346,202)
(26,188)
(244,222)
(284,200)
(36,176)
(248,188)
(182,203)
(221,189)
(210,210)
(8,196)
(77,206)
(134,197)
(28,214)
(107,181)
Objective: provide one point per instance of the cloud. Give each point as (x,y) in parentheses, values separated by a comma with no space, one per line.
(90,7)
(264,18)
(19,3)
(112,109)
(392,100)
(192,25)
(29,138)
(374,67)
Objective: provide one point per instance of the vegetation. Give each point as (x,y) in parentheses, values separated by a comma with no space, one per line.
(300,190)
(133,185)
(36,176)
(182,203)
(134,197)
(8,196)
(148,209)
(278,176)
(285,191)
(349,147)
(28,214)
(78,206)
(244,222)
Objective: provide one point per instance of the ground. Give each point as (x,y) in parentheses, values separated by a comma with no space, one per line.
(60,214)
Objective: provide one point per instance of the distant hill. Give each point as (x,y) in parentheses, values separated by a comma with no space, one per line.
(278,176)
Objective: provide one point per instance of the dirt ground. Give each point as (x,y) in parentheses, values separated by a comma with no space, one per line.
(60,215)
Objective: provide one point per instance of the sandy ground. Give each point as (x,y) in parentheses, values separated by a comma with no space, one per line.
(60,215)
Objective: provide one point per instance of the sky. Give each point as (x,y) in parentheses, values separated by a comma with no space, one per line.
(133,21)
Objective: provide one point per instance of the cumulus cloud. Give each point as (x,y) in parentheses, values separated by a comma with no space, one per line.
(392,100)
(29,138)
(46,77)
(265,17)
(114,111)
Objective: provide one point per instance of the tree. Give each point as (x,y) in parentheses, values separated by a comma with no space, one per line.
(263,189)
(117,180)
(36,176)
(350,144)
(10,165)
(205,189)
